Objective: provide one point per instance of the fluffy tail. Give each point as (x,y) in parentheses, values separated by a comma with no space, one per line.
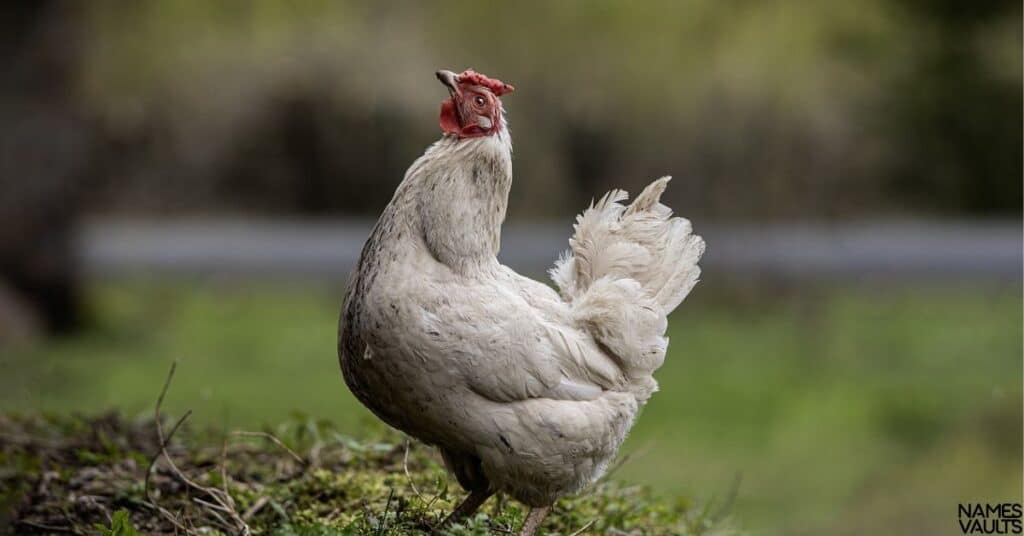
(627,268)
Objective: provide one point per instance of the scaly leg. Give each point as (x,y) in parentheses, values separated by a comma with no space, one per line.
(466,508)
(533,520)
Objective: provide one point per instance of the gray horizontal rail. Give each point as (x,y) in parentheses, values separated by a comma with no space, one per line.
(893,250)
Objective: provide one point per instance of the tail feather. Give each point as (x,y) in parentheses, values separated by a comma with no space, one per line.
(627,268)
(650,198)
(686,249)
(640,241)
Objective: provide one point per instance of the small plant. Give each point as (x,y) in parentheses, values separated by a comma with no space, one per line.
(120,525)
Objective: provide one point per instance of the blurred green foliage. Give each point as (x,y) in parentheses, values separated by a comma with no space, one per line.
(868,410)
(777,109)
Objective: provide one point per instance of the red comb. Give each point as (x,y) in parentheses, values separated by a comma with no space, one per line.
(499,88)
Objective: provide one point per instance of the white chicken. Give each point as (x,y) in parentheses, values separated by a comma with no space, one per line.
(524,390)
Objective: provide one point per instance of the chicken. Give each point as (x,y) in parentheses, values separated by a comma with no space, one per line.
(524,390)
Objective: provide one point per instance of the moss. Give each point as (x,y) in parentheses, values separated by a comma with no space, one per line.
(77,473)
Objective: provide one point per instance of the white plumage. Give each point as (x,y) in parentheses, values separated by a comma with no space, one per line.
(525,390)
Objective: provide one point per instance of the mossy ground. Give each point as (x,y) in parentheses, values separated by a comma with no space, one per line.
(87,476)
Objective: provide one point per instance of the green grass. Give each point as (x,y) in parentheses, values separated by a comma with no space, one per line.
(324,484)
(838,409)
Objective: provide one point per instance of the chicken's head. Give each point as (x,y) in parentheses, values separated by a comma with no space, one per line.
(473,108)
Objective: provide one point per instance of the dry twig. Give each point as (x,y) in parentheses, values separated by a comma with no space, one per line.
(47,528)
(256,507)
(408,476)
(584,528)
(273,439)
(222,503)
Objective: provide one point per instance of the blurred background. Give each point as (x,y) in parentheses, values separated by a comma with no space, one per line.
(192,181)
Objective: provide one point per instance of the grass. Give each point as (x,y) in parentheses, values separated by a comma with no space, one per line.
(850,410)
(87,475)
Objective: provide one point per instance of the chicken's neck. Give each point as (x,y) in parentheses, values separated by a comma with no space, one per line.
(461,188)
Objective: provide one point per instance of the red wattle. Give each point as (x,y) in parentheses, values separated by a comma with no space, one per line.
(449,119)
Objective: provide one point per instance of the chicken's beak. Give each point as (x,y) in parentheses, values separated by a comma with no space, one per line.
(449,79)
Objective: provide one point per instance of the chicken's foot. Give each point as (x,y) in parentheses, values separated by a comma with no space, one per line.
(466,508)
(533,520)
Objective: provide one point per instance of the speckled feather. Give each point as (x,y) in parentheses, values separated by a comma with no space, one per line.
(524,389)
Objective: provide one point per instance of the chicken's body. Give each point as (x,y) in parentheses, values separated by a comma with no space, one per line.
(524,390)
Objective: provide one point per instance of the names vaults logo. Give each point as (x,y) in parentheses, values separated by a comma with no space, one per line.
(998,518)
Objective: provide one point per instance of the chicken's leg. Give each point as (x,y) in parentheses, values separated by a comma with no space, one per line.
(466,508)
(533,520)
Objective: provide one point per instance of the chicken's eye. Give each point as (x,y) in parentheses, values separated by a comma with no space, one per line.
(479,101)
